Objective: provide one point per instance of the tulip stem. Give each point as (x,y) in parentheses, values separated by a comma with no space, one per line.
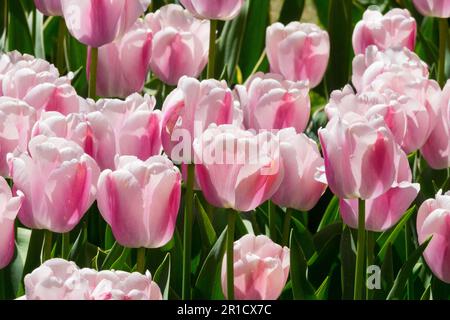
(140,265)
(65,245)
(443,34)
(48,246)
(272,221)
(370,258)
(187,235)
(93,74)
(359,273)
(287,226)
(230,254)
(60,55)
(212,50)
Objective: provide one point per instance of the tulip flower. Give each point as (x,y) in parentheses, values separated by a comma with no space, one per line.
(58,180)
(180,43)
(190,109)
(17,119)
(433,8)
(298,51)
(136,125)
(303,183)
(91,131)
(49,7)
(237,169)
(261,268)
(270,102)
(433,220)
(384,211)
(215,9)
(394,29)
(123,65)
(96,23)
(436,150)
(9,207)
(359,157)
(140,200)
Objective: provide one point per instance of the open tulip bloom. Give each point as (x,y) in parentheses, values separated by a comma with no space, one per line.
(233,149)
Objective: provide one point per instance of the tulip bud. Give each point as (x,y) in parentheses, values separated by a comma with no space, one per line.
(215,9)
(433,8)
(49,7)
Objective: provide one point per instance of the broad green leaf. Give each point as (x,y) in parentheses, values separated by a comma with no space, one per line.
(331,214)
(322,237)
(304,237)
(162,277)
(348,261)
(301,287)
(322,292)
(292,10)
(19,35)
(207,231)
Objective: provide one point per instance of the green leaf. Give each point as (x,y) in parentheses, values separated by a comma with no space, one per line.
(162,277)
(207,231)
(305,238)
(426,295)
(402,277)
(348,261)
(121,263)
(292,10)
(322,292)
(39,49)
(322,237)
(301,287)
(331,214)
(113,255)
(19,35)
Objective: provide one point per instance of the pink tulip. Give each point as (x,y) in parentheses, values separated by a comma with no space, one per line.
(123,65)
(9,207)
(394,29)
(384,211)
(409,121)
(136,125)
(303,182)
(359,157)
(140,200)
(16,119)
(261,268)
(237,169)
(96,23)
(433,220)
(436,150)
(270,102)
(180,44)
(214,9)
(58,180)
(190,109)
(433,8)
(298,51)
(91,131)
(49,7)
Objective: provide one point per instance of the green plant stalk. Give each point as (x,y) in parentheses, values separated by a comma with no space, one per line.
(370,258)
(33,27)
(359,273)
(212,50)
(409,248)
(230,254)
(48,246)
(187,235)
(93,74)
(65,239)
(60,55)
(272,221)
(140,265)
(287,226)
(443,35)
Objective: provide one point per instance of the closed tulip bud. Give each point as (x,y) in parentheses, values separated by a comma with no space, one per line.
(9,207)
(436,150)
(394,29)
(190,109)
(237,169)
(123,65)
(298,51)
(49,7)
(433,8)
(303,183)
(261,268)
(136,125)
(58,180)
(96,23)
(433,220)
(359,157)
(215,9)
(180,44)
(17,119)
(140,200)
(270,102)
(384,211)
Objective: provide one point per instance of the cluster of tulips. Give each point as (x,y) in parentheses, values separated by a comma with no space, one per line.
(238,148)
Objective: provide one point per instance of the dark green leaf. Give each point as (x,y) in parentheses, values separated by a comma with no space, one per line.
(301,287)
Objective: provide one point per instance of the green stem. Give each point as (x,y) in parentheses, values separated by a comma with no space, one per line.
(93,74)
(60,54)
(212,50)
(272,221)
(65,245)
(370,258)
(187,235)
(48,246)
(359,273)
(409,248)
(443,33)
(254,222)
(33,27)
(230,254)
(287,226)
(140,266)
